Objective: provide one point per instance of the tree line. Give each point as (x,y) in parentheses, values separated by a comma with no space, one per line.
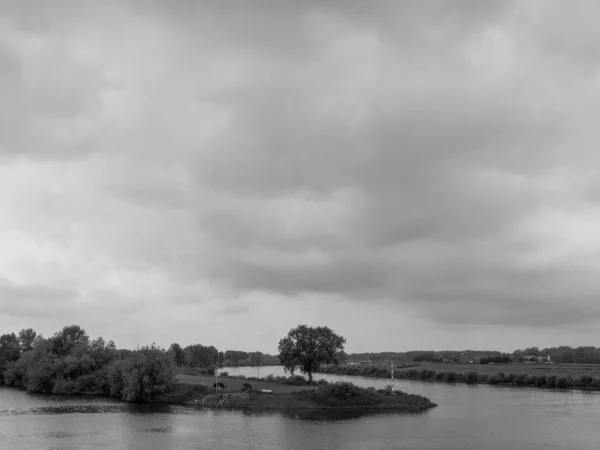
(70,362)
(562,354)
(207,358)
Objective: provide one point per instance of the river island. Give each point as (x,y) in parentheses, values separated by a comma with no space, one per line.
(287,393)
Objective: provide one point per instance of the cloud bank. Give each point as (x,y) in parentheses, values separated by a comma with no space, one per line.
(183,171)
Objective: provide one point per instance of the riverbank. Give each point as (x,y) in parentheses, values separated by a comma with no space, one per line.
(468,374)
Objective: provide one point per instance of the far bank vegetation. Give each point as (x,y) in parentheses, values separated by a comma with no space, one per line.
(470,377)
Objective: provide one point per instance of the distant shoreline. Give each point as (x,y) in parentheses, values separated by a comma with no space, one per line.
(501,375)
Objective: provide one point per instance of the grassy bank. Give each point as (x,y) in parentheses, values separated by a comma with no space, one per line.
(560,377)
(197,390)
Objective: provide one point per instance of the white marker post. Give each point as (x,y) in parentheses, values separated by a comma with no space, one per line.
(216,380)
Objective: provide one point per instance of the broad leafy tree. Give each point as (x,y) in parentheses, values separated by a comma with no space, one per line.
(256,359)
(308,348)
(9,352)
(178,354)
(69,337)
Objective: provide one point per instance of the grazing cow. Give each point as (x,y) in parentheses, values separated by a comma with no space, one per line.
(267,391)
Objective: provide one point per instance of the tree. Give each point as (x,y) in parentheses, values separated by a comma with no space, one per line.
(147,373)
(235,356)
(256,358)
(178,354)
(28,339)
(221,359)
(9,352)
(67,338)
(309,347)
(9,347)
(201,356)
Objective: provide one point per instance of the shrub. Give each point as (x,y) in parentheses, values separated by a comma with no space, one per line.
(562,383)
(343,393)
(450,376)
(471,377)
(586,381)
(440,375)
(511,377)
(551,380)
(427,374)
(541,381)
(66,387)
(148,372)
(521,379)
(495,379)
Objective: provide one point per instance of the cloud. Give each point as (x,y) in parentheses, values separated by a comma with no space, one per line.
(431,155)
(34,299)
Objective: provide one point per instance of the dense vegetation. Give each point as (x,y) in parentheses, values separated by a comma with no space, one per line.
(344,394)
(208,357)
(70,362)
(521,379)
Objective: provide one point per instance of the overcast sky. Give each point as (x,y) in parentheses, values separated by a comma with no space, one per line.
(415,175)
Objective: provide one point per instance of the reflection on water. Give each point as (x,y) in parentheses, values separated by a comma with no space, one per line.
(468,417)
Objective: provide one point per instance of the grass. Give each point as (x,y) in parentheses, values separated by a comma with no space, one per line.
(235,385)
(197,389)
(574,370)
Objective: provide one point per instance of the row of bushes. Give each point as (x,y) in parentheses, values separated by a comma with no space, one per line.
(356,370)
(551,381)
(342,393)
(295,380)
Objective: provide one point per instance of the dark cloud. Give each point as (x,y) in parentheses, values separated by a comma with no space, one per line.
(438,155)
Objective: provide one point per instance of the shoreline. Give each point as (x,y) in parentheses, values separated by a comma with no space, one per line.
(474,378)
(237,401)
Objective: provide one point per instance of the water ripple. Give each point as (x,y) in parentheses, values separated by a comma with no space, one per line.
(64,409)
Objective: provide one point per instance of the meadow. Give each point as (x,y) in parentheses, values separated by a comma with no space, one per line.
(573,370)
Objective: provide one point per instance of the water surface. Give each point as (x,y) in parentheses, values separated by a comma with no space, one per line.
(468,417)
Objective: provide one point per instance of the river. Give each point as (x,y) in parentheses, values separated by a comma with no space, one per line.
(468,417)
